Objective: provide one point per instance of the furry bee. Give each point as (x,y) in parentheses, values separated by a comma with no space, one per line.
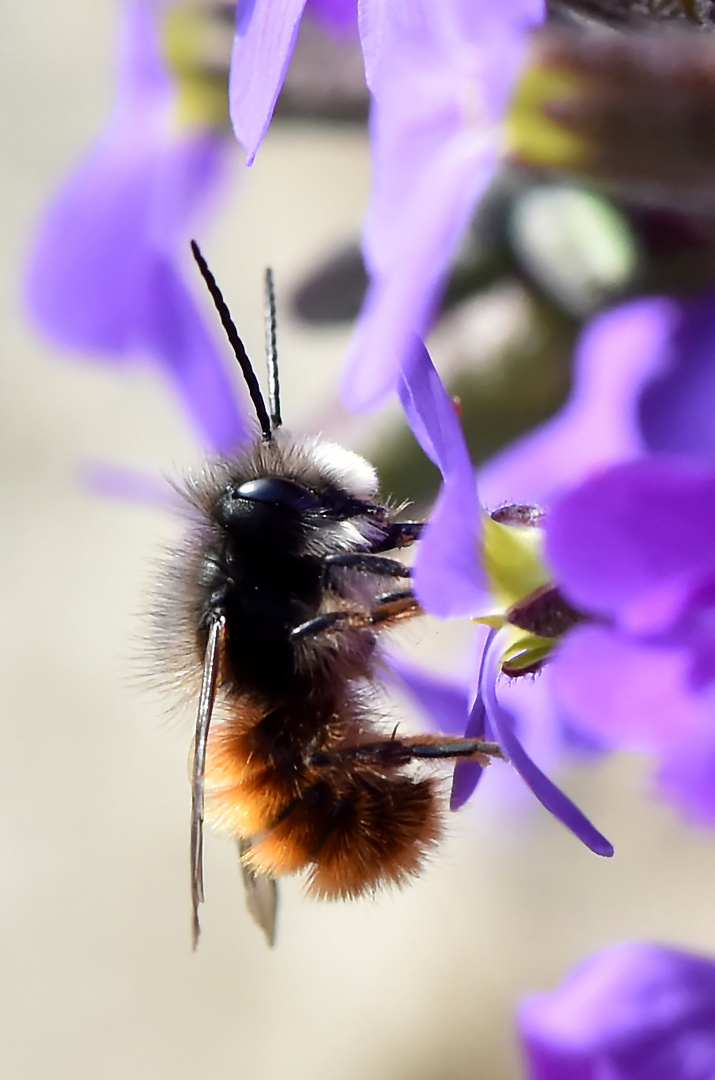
(277,601)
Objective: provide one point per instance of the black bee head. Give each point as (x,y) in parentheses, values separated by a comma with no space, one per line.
(269,498)
(263,500)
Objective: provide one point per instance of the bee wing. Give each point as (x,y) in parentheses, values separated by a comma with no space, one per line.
(209,683)
(261,894)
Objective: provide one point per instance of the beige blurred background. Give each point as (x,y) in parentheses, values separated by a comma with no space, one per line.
(98,978)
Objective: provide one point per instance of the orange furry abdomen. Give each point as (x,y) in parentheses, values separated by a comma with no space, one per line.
(355,826)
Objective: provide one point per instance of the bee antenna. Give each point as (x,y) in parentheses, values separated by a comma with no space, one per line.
(269,310)
(237,345)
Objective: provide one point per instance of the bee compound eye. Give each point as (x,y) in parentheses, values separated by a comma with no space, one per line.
(279,492)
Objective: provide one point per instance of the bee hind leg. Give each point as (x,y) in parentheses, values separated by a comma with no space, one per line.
(397,752)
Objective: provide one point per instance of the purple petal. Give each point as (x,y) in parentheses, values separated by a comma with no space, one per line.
(87,278)
(175,331)
(338,16)
(599,425)
(454,27)
(635,541)
(265,35)
(467,774)
(402,303)
(439,92)
(686,774)
(144,86)
(104,276)
(633,1012)
(129,485)
(676,408)
(432,414)
(550,796)
(633,696)
(444,703)
(449,579)
(627,694)
(87,273)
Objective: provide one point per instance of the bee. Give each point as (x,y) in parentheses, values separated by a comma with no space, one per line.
(275,607)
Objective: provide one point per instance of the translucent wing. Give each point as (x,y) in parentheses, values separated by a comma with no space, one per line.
(261,895)
(209,682)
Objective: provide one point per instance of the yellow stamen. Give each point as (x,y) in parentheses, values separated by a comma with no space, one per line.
(196,51)
(531,135)
(512,556)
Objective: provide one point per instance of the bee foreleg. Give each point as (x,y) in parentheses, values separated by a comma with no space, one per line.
(400,534)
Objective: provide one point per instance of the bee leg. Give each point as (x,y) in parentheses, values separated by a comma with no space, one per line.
(369,564)
(397,752)
(400,534)
(390,608)
(319,625)
(395,606)
(434,747)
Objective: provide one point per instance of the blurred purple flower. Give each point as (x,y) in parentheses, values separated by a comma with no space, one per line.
(266,32)
(469,564)
(618,354)
(440,76)
(632,1012)
(633,546)
(106,273)
(643,382)
(339,17)
(675,409)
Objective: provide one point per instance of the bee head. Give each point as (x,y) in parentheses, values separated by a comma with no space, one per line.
(262,500)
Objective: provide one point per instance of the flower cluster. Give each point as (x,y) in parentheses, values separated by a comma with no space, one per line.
(613,584)
(633,1012)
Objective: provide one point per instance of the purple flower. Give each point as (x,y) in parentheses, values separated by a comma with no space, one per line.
(675,407)
(628,552)
(266,31)
(644,382)
(619,354)
(632,1012)
(633,547)
(106,276)
(469,563)
(440,76)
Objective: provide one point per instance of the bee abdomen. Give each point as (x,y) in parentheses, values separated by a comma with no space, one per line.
(367,832)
